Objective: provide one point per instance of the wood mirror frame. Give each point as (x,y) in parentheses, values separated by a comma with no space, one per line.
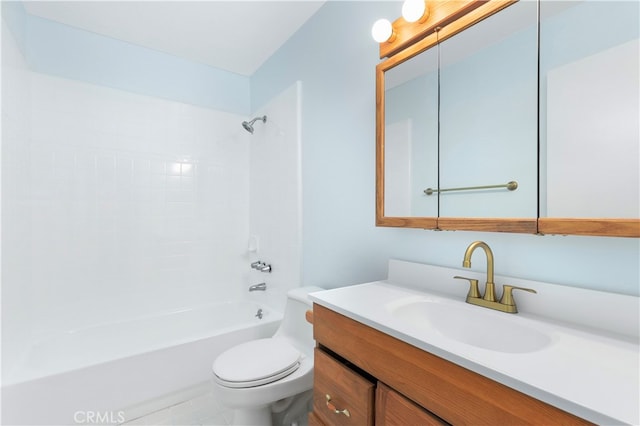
(451,17)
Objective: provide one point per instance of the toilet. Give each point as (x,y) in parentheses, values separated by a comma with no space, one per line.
(262,376)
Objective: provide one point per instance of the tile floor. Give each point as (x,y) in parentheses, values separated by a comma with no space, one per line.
(202,410)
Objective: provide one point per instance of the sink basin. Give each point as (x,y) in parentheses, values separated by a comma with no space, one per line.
(471,325)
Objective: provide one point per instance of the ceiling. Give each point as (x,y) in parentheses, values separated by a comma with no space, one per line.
(233,35)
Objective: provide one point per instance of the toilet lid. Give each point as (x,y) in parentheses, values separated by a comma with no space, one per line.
(256,362)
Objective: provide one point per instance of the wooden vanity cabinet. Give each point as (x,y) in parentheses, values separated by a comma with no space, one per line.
(411,386)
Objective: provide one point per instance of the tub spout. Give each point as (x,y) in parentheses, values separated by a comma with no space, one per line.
(258,287)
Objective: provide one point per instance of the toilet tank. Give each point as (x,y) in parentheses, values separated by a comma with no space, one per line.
(294,326)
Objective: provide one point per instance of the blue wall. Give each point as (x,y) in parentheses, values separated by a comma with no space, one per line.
(334,57)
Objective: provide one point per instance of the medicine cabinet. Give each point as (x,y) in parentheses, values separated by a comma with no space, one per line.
(495,116)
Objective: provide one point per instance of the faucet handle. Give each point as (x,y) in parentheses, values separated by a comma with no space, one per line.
(473,286)
(264,268)
(507,295)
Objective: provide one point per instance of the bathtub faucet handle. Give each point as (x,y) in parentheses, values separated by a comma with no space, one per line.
(258,287)
(259,314)
(257,265)
(265,268)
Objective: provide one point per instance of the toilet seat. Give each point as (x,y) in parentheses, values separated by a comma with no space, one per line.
(256,363)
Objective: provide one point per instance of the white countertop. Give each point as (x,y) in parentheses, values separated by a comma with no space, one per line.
(591,373)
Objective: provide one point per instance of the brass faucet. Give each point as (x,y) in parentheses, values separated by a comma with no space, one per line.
(490,289)
(506,303)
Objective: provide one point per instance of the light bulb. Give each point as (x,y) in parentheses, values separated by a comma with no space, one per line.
(413,10)
(382,30)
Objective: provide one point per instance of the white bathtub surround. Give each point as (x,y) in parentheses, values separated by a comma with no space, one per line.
(125,211)
(137,205)
(117,366)
(116,206)
(276,197)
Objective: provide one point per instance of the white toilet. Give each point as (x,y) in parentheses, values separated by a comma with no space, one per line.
(262,375)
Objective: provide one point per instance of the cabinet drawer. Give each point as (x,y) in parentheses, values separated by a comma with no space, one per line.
(338,388)
(393,409)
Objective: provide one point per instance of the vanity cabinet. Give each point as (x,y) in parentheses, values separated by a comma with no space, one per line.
(411,386)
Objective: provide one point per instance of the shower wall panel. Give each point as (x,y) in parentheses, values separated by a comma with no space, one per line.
(276,195)
(130,204)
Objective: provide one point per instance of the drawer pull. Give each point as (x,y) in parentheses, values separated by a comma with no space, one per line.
(333,408)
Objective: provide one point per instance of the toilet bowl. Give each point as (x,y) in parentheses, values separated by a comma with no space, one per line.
(264,375)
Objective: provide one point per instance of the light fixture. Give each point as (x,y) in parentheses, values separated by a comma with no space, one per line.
(414,10)
(382,31)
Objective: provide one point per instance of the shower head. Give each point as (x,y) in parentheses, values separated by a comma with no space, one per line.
(248,125)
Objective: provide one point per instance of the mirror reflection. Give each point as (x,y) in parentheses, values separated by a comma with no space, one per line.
(464,114)
(589,116)
(488,116)
(411,136)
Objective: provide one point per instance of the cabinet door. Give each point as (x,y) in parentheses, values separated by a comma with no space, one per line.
(314,420)
(394,409)
(340,395)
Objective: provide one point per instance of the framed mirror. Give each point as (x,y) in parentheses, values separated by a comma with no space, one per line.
(541,83)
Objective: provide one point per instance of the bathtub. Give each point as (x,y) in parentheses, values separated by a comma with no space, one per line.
(95,373)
